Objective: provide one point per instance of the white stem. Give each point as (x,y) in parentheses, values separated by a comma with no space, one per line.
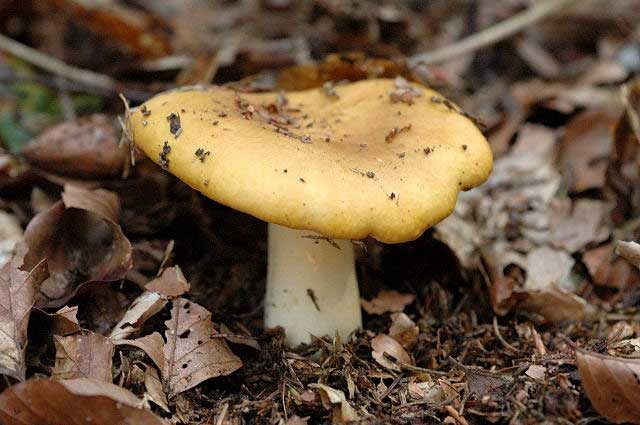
(311,286)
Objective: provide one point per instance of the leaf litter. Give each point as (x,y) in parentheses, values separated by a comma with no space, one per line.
(520,307)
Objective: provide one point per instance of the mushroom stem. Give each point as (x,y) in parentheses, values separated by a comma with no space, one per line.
(311,285)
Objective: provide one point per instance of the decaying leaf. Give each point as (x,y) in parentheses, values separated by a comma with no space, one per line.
(83,355)
(403,330)
(612,385)
(385,345)
(483,382)
(64,321)
(585,149)
(192,353)
(153,388)
(609,270)
(17,294)
(76,401)
(336,401)
(387,301)
(81,241)
(171,283)
(630,251)
(10,234)
(86,147)
(556,305)
(141,309)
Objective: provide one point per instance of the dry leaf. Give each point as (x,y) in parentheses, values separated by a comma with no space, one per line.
(81,241)
(536,372)
(607,269)
(483,382)
(586,225)
(612,385)
(556,305)
(335,400)
(64,321)
(86,147)
(141,309)
(10,234)
(387,301)
(382,344)
(85,355)
(193,351)
(171,283)
(630,251)
(403,330)
(585,149)
(17,295)
(153,388)
(74,401)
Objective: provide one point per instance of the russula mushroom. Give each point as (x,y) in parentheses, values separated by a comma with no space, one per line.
(378,158)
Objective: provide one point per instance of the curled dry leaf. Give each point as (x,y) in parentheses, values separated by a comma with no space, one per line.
(10,234)
(86,147)
(384,344)
(80,240)
(193,351)
(607,269)
(630,251)
(153,388)
(64,321)
(336,401)
(612,385)
(403,330)
(73,401)
(17,294)
(387,301)
(171,283)
(86,355)
(585,149)
(141,309)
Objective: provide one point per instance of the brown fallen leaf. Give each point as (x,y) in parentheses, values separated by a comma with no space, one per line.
(612,385)
(556,305)
(17,294)
(336,401)
(171,283)
(76,401)
(403,330)
(387,301)
(84,355)
(134,31)
(192,353)
(383,345)
(481,381)
(64,321)
(630,251)
(11,234)
(81,241)
(585,149)
(86,147)
(141,309)
(153,388)
(607,269)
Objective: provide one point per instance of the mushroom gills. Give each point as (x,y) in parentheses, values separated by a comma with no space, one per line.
(312,287)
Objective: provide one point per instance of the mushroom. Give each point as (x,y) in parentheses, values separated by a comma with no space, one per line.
(378,158)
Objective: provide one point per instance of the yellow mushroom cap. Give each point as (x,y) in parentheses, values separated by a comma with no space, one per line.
(378,158)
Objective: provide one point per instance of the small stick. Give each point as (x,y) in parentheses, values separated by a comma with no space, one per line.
(56,66)
(491,35)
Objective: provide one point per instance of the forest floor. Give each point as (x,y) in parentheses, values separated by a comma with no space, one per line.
(521,307)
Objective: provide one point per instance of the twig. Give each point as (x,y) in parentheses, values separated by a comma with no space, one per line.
(504,343)
(491,35)
(56,66)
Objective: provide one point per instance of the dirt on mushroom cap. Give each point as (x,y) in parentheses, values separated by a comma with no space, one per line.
(289,159)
